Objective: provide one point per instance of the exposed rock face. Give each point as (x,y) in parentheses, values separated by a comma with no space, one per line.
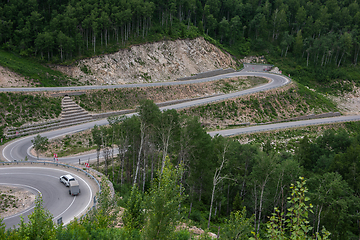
(160,61)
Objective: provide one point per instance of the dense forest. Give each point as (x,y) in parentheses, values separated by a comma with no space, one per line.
(218,177)
(166,159)
(320,32)
(170,171)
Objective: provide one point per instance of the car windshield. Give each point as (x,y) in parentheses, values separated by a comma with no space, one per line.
(71,179)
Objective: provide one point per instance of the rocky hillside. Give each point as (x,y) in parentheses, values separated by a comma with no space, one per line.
(159,61)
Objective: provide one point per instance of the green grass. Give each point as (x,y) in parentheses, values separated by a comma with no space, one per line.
(42,76)
(74,150)
(265,107)
(287,139)
(328,80)
(19,108)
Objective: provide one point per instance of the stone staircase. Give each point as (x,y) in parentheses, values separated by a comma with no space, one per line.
(71,114)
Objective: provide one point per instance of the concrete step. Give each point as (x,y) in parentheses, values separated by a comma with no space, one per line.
(69,105)
(75,114)
(77,118)
(71,110)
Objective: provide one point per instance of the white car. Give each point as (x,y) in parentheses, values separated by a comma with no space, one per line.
(66,179)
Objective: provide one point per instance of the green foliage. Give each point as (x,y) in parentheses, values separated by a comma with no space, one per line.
(107,206)
(40,225)
(181,235)
(2,229)
(85,69)
(162,204)
(74,230)
(295,224)
(149,112)
(19,108)
(265,107)
(327,79)
(41,75)
(40,144)
(237,226)
(133,217)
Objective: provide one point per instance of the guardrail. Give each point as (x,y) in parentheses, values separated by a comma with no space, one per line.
(304,124)
(236,94)
(208,74)
(69,166)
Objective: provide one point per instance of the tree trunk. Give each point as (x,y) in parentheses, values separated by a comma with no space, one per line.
(142,134)
(87,39)
(112,163)
(97,156)
(319,217)
(190,209)
(261,203)
(255,209)
(341,58)
(122,169)
(211,203)
(216,180)
(307,59)
(94,39)
(152,167)
(61,53)
(144,172)
(228,200)
(106,37)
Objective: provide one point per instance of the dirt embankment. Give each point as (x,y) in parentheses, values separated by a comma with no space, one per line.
(11,79)
(14,200)
(349,103)
(159,61)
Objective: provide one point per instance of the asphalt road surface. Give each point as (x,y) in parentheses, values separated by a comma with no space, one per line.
(44,181)
(54,194)
(275,126)
(20,148)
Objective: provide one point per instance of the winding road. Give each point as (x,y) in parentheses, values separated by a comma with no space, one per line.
(54,194)
(44,181)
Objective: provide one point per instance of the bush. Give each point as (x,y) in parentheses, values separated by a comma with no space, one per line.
(181,235)
(195,216)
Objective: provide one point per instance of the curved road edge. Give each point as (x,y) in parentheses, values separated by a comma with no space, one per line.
(283,125)
(88,177)
(18,149)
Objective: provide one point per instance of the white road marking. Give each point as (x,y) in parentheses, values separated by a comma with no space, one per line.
(75,175)
(65,210)
(26,210)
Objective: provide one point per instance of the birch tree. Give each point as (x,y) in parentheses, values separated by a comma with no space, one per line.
(97,140)
(218,178)
(261,175)
(149,114)
(167,129)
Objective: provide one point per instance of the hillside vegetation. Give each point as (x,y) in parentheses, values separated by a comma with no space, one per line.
(325,30)
(129,98)
(319,35)
(39,74)
(19,108)
(285,103)
(257,176)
